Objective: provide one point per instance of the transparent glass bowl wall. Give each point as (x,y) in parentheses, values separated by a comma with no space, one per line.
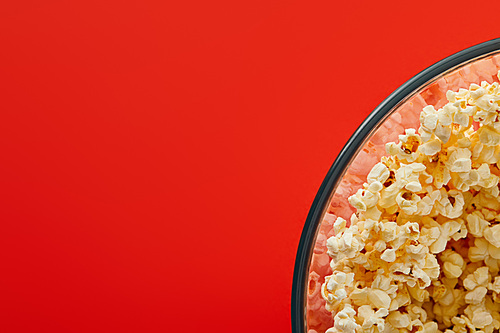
(366,147)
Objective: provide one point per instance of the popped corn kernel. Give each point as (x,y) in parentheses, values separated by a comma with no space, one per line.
(398,319)
(373,322)
(379,173)
(344,321)
(334,288)
(492,235)
(453,264)
(406,149)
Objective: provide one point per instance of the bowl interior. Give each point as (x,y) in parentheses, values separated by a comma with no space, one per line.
(403,116)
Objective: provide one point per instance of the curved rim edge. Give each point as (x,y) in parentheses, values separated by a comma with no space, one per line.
(304,250)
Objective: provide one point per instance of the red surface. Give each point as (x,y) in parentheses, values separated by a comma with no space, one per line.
(158,158)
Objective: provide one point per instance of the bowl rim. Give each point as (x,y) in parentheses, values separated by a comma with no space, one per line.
(308,236)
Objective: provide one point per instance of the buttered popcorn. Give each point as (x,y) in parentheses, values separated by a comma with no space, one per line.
(422,251)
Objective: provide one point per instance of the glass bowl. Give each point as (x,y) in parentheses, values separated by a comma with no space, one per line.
(363,150)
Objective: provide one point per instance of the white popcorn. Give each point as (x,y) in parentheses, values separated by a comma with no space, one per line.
(388,196)
(423,280)
(462,116)
(429,118)
(379,173)
(384,283)
(476,296)
(407,148)
(402,298)
(480,317)
(388,231)
(359,296)
(460,324)
(495,288)
(493,251)
(372,213)
(479,251)
(434,122)
(430,231)
(339,225)
(344,321)
(451,204)
(336,286)
(488,136)
(407,201)
(380,245)
(486,179)
(398,319)
(430,327)
(372,321)
(451,229)
(476,223)
(453,264)
(431,266)
(431,147)
(480,278)
(375,187)
(379,298)
(492,235)
(389,255)
(460,160)
(364,199)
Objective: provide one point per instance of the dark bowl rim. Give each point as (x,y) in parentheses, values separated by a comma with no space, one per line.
(307,238)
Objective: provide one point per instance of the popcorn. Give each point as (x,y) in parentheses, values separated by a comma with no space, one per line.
(476,223)
(379,173)
(453,264)
(492,235)
(344,321)
(389,255)
(430,327)
(406,149)
(435,123)
(451,203)
(476,296)
(431,147)
(346,244)
(460,160)
(488,136)
(339,225)
(379,298)
(399,320)
(479,278)
(372,321)
(424,242)
(495,287)
(364,199)
(444,232)
(479,315)
(334,287)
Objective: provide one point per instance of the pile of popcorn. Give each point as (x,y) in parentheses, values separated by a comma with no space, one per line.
(422,251)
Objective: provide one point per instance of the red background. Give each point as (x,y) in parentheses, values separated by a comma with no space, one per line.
(158,158)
